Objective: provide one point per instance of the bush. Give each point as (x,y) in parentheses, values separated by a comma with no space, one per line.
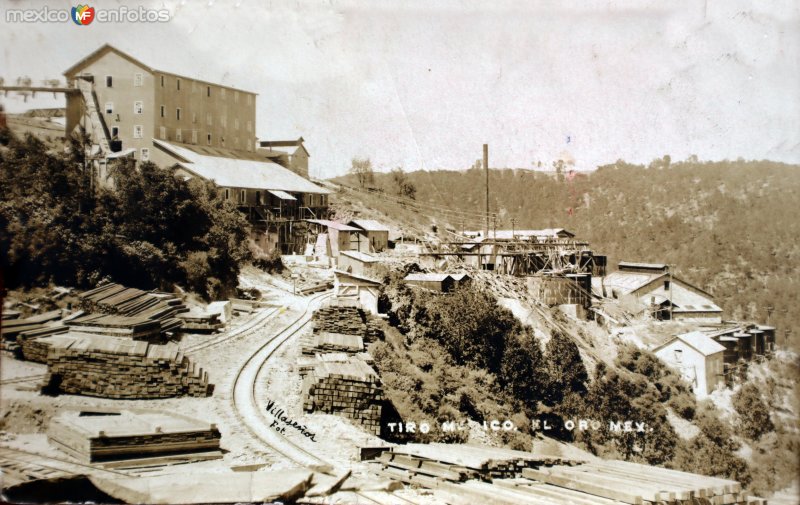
(754,419)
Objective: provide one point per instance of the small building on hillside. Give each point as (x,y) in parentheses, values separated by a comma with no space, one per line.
(377,234)
(667,296)
(357,287)
(341,237)
(291,154)
(438,282)
(698,358)
(357,262)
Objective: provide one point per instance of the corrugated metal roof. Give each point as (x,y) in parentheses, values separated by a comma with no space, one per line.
(648,266)
(236,172)
(697,340)
(360,256)
(369,225)
(283,195)
(332,224)
(420,277)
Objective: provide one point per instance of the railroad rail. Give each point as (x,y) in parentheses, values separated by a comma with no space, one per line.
(18,380)
(252,413)
(242,331)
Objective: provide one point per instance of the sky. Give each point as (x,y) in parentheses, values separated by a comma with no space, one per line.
(424,84)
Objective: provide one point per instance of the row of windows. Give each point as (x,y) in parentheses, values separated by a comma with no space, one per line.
(179,137)
(138,81)
(138,108)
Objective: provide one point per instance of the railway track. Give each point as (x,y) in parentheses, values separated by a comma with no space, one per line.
(252,413)
(19,380)
(242,331)
(20,466)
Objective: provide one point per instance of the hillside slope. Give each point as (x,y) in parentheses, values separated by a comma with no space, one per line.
(727,226)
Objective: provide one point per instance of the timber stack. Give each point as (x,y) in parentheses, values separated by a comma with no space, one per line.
(142,435)
(116,299)
(112,367)
(502,476)
(350,389)
(340,315)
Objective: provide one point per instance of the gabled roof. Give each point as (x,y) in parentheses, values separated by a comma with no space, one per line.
(622,265)
(458,277)
(421,277)
(332,224)
(101,51)
(237,172)
(631,282)
(108,48)
(270,144)
(342,273)
(698,341)
(360,256)
(368,225)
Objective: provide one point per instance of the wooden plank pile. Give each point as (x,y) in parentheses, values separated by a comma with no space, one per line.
(15,331)
(201,321)
(116,299)
(132,434)
(325,342)
(485,463)
(136,328)
(500,476)
(36,349)
(641,484)
(374,330)
(340,315)
(350,389)
(112,367)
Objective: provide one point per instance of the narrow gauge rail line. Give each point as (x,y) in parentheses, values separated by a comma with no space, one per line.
(27,378)
(242,331)
(252,414)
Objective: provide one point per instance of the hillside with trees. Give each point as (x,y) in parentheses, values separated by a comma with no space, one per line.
(154,230)
(725,226)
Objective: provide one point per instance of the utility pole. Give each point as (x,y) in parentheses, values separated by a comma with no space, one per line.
(669,267)
(486,169)
(494,225)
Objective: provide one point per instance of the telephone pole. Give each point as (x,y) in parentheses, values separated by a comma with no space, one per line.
(486,169)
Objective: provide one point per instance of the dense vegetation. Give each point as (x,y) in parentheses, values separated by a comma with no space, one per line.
(462,356)
(154,231)
(728,226)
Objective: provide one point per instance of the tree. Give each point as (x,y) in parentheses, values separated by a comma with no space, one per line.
(565,369)
(754,419)
(362,169)
(403,185)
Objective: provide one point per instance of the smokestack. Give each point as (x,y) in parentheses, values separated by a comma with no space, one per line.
(486,168)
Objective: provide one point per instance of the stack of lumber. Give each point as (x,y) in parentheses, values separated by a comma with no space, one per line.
(475,474)
(15,331)
(143,435)
(340,315)
(486,462)
(374,330)
(13,327)
(200,321)
(324,342)
(350,389)
(111,367)
(635,484)
(137,328)
(412,469)
(36,349)
(113,298)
